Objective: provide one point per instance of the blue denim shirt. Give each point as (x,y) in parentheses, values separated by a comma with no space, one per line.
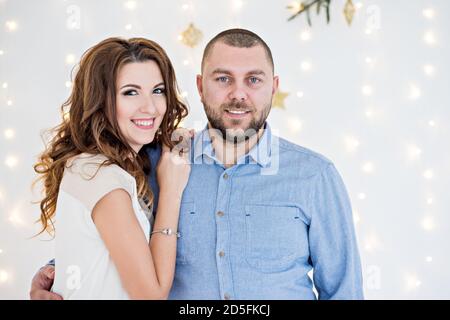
(254,230)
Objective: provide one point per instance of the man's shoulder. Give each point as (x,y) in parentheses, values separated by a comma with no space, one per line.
(303,156)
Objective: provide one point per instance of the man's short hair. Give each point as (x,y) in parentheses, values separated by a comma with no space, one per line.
(240,38)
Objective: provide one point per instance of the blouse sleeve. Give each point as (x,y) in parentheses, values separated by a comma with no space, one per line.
(89,182)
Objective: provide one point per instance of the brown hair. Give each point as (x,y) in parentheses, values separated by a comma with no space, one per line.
(240,38)
(91,126)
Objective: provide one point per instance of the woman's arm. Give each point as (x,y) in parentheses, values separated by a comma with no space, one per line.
(142,276)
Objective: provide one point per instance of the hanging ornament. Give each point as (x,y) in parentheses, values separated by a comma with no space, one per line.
(278,99)
(349,11)
(191,36)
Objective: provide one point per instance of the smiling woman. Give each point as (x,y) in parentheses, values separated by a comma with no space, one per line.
(95,175)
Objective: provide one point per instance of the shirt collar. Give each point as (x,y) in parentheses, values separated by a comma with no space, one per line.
(259,154)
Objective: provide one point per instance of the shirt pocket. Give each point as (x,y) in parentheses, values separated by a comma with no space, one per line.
(273,236)
(186,242)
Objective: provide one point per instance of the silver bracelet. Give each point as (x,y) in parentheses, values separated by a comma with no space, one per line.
(167,232)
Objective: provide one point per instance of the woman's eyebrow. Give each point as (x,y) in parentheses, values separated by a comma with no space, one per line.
(131,85)
(159,84)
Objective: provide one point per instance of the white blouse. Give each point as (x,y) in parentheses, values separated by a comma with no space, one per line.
(84,269)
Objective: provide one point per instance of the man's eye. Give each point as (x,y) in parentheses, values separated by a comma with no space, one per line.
(159,90)
(130,93)
(222,79)
(254,80)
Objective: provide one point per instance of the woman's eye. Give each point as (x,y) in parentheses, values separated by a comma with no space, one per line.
(159,90)
(130,93)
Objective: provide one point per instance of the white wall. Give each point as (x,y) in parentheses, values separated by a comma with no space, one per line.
(401,207)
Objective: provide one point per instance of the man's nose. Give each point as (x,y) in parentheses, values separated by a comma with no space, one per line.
(238,93)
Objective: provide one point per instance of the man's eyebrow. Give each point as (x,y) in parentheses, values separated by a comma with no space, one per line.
(256,72)
(222,71)
(131,85)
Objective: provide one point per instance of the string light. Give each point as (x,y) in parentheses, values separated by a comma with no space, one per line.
(129,27)
(11,25)
(351,143)
(238,4)
(413,151)
(362,196)
(306,65)
(68,84)
(294,124)
(431,123)
(414,92)
(429,200)
(429,70)
(11,161)
(356,217)
(184,94)
(429,38)
(428,223)
(368,167)
(5,85)
(428,174)
(367,90)
(185,6)
(429,259)
(186,62)
(358,5)
(9,134)
(3,276)
(371,242)
(300,94)
(2,52)
(428,13)
(130,5)
(9,102)
(305,35)
(412,282)
(70,59)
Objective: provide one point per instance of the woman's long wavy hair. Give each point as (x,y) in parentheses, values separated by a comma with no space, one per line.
(90,124)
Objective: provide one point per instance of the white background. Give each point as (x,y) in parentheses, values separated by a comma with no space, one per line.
(372,97)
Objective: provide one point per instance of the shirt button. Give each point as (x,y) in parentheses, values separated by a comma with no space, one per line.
(221,254)
(226,296)
(225,176)
(220,214)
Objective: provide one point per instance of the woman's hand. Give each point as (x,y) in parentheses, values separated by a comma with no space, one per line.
(174,165)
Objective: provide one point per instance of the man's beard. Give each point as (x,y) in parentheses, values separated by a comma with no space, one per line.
(236,135)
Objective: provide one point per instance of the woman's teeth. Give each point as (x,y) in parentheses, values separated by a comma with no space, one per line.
(143,123)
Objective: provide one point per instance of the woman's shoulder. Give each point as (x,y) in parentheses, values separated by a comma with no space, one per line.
(88,166)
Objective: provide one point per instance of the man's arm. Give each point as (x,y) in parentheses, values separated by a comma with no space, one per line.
(42,283)
(334,251)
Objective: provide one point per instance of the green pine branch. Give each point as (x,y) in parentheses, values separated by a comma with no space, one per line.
(307,6)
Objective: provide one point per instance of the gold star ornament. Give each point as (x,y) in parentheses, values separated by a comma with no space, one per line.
(191,36)
(349,11)
(278,99)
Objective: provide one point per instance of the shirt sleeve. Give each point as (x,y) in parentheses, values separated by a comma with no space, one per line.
(333,247)
(89,182)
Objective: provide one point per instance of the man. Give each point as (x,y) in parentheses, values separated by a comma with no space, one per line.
(258,212)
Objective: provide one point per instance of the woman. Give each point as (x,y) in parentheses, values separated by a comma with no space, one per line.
(95,171)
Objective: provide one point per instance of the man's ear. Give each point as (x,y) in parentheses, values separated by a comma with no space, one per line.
(200,85)
(276,82)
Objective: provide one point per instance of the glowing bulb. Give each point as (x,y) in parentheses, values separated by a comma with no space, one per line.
(130,5)
(70,59)
(186,62)
(237,4)
(429,38)
(429,200)
(429,259)
(9,103)
(294,124)
(2,52)
(185,6)
(369,113)
(306,65)
(5,85)
(371,242)
(9,134)
(300,94)
(429,70)
(11,161)
(180,37)
(11,25)
(295,6)
(368,167)
(428,174)
(428,223)
(129,27)
(356,217)
(16,219)
(358,5)
(431,123)
(68,84)
(184,94)
(428,13)
(414,151)
(1,251)
(367,90)
(412,282)
(3,276)
(351,143)
(362,196)
(414,92)
(305,35)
